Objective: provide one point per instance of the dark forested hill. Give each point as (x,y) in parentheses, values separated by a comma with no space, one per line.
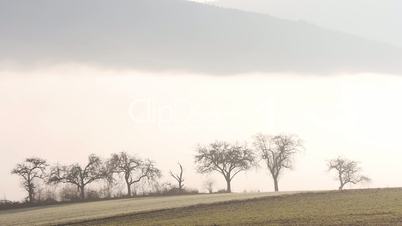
(180,35)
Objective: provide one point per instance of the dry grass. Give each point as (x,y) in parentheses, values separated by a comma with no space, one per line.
(356,207)
(68,213)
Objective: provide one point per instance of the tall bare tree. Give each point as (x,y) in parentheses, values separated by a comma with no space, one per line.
(31,170)
(224,158)
(133,169)
(277,152)
(348,171)
(77,175)
(178,177)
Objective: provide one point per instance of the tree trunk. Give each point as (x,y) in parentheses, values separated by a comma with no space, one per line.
(228,187)
(128,189)
(276,187)
(30,195)
(30,190)
(82,192)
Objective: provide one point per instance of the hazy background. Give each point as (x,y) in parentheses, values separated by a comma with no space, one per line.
(179,35)
(74,85)
(367,18)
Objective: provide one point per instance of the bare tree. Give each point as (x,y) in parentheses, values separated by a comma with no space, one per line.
(224,158)
(133,169)
(277,153)
(109,178)
(209,185)
(79,176)
(178,177)
(348,171)
(31,170)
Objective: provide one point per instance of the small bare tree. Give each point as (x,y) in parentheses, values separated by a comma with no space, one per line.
(31,170)
(133,169)
(209,185)
(224,158)
(348,171)
(277,152)
(179,177)
(79,176)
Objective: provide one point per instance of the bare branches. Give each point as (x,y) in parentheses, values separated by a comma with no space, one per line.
(29,171)
(227,159)
(77,175)
(348,171)
(277,152)
(178,177)
(133,169)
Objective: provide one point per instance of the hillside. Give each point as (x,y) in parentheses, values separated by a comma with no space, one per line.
(366,18)
(349,207)
(180,35)
(356,207)
(79,212)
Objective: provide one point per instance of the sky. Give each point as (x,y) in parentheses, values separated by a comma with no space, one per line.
(65,111)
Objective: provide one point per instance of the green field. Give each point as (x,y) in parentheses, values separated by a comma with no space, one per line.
(354,207)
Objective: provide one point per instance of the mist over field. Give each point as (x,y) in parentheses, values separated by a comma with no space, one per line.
(157,77)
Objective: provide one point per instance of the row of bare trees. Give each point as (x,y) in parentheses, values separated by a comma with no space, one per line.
(35,170)
(275,152)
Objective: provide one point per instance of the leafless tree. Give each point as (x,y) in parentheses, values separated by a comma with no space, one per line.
(79,176)
(31,170)
(277,152)
(224,158)
(209,185)
(109,178)
(133,169)
(178,177)
(348,171)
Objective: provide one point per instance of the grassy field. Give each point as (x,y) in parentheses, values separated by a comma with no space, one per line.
(356,207)
(78,212)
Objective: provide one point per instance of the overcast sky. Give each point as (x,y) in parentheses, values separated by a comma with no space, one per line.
(63,112)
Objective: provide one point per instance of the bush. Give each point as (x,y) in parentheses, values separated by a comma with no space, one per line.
(221,191)
(69,193)
(171,190)
(6,204)
(92,195)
